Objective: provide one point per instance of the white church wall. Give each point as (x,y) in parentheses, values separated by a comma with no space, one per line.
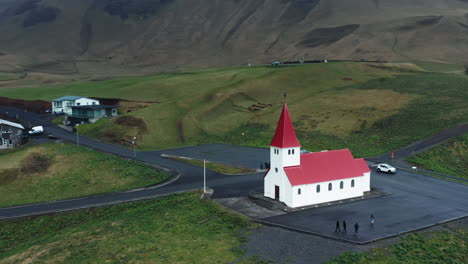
(310,196)
(291,156)
(366,182)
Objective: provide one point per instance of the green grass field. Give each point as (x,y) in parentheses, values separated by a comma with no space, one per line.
(370,108)
(218,167)
(434,247)
(57,171)
(450,158)
(175,229)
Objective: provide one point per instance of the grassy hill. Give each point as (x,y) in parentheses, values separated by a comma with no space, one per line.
(58,171)
(370,108)
(188,34)
(450,158)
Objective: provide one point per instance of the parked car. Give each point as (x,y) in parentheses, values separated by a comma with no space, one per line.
(37,130)
(385,168)
(276,63)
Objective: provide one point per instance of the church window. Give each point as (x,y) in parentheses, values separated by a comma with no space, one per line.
(289,152)
(341,185)
(330,187)
(299,191)
(293,151)
(276,169)
(352,183)
(318,188)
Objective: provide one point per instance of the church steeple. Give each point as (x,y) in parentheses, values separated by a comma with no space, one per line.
(285,136)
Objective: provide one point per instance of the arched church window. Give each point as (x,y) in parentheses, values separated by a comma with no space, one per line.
(352,183)
(299,191)
(330,187)
(318,188)
(293,151)
(276,169)
(289,152)
(341,185)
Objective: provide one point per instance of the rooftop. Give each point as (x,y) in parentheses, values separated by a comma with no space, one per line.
(285,136)
(326,166)
(94,107)
(67,98)
(13,124)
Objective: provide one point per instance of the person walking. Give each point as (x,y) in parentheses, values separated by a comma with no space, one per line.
(337,229)
(344,226)
(356,228)
(372,219)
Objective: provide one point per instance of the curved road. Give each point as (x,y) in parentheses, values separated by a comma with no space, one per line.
(191,177)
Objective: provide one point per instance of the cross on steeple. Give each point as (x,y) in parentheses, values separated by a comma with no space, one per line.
(285,94)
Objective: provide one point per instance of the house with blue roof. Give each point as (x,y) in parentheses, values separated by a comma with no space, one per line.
(63,105)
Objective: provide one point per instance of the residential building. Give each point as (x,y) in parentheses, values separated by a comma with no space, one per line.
(91,113)
(11,134)
(64,104)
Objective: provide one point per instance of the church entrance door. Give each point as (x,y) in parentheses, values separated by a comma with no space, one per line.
(277,190)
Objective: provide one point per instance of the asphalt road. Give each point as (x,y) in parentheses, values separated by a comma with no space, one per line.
(415,201)
(190,177)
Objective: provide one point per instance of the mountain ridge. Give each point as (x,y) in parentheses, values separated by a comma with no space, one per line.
(187,34)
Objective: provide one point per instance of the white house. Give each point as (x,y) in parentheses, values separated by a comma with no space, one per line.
(64,104)
(300,179)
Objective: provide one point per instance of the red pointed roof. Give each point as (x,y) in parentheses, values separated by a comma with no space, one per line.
(326,166)
(285,136)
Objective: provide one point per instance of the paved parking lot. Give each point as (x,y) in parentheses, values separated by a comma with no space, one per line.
(416,201)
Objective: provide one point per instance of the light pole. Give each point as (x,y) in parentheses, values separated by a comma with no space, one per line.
(204,174)
(134,145)
(77,136)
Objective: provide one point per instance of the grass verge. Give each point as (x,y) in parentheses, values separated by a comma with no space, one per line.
(450,158)
(58,171)
(174,229)
(218,167)
(432,247)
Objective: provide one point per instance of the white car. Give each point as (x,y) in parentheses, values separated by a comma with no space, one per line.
(37,130)
(385,168)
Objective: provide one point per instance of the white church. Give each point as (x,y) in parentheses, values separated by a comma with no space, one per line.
(301,179)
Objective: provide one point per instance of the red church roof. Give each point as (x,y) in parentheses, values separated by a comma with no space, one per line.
(326,166)
(285,136)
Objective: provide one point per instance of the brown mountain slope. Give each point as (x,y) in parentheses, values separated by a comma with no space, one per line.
(180,34)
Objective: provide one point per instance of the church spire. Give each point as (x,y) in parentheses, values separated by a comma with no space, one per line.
(285,136)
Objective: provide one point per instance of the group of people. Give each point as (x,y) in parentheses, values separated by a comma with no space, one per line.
(356,225)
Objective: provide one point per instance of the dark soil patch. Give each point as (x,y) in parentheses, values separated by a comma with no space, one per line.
(425,22)
(140,8)
(37,106)
(347,79)
(297,10)
(327,36)
(35,163)
(132,121)
(40,15)
(25,6)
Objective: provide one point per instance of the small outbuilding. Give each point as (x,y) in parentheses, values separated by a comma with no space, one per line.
(302,179)
(11,134)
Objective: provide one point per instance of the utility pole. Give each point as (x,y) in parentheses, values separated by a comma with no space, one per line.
(204,174)
(134,147)
(77,136)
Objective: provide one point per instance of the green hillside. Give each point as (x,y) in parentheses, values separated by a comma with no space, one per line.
(367,107)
